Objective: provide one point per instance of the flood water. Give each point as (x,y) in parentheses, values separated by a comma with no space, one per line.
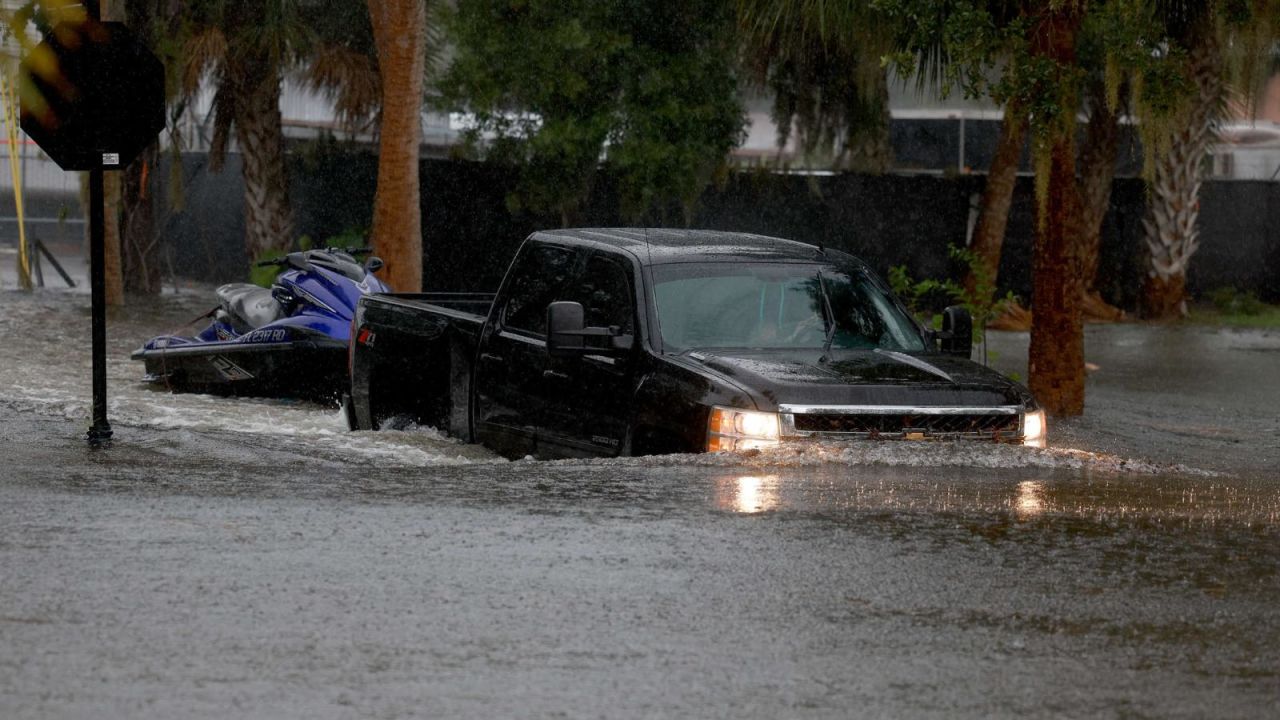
(252,558)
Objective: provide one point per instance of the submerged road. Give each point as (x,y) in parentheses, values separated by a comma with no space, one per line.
(249,559)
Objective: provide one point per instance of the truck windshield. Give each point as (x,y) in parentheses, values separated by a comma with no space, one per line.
(777,305)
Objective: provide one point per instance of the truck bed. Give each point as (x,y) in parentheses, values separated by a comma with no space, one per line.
(404,310)
(411,356)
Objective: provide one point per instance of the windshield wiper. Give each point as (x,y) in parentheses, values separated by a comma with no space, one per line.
(831,317)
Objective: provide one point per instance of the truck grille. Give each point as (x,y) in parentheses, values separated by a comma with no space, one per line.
(889,422)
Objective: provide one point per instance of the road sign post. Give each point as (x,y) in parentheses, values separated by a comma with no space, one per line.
(92,97)
(100,429)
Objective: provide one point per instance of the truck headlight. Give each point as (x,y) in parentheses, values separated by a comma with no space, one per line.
(730,429)
(1034,430)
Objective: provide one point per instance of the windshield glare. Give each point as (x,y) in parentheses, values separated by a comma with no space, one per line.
(776,305)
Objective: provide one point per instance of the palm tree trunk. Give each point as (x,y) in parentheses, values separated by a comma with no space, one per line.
(400,30)
(113,271)
(1056,357)
(1056,360)
(1097,175)
(113,274)
(113,285)
(997,198)
(268,220)
(1173,211)
(141,243)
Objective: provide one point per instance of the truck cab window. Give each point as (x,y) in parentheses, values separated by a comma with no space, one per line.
(538,279)
(604,290)
(777,305)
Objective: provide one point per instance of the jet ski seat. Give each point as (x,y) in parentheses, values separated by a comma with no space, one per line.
(249,304)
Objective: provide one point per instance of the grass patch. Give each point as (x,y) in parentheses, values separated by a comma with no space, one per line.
(1231,308)
(1269,318)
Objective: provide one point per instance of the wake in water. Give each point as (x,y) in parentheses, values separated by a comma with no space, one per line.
(45,368)
(895,453)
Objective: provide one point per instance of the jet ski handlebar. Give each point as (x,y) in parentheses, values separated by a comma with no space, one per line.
(295,259)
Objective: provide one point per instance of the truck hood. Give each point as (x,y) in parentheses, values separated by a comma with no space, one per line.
(863,377)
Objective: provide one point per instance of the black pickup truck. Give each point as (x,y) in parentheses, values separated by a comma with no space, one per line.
(604,342)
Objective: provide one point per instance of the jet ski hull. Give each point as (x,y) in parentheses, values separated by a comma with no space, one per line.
(313,369)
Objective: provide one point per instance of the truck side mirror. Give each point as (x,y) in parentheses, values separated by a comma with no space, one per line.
(567,336)
(373,264)
(564,329)
(956,337)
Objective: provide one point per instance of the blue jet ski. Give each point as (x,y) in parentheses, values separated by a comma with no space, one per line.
(289,341)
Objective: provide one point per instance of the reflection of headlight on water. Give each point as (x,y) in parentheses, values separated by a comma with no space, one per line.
(750,494)
(1029,502)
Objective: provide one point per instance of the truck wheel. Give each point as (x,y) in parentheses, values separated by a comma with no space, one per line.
(650,441)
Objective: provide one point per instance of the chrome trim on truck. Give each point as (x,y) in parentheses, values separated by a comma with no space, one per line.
(788,413)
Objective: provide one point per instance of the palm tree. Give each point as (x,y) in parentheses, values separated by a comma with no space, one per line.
(246,47)
(997,199)
(1099,150)
(1056,356)
(1171,231)
(1229,48)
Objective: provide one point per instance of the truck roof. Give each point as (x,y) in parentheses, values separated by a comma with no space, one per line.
(654,246)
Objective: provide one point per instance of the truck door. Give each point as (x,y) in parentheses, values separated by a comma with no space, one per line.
(587,399)
(509,398)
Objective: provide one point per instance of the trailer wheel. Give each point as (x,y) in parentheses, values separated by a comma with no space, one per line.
(399,421)
(349,412)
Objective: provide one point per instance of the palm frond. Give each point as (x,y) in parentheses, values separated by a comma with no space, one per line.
(205,51)
(224,109)
(349,79)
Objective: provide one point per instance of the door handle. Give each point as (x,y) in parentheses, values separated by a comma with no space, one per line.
(554,375)
(490,357)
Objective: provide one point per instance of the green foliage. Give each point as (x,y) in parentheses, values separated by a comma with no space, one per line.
(923,297)
(1231,301)
(1003,50)
(956,43)
(265,276)
(557,86)
(349,239)
(821,62)
(1230,307)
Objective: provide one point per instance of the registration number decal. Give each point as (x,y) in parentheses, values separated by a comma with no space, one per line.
(274,335)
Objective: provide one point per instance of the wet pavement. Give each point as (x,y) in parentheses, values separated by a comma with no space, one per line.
(250,558)
(1202,396)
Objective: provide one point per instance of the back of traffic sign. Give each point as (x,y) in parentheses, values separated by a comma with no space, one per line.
(92,95)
